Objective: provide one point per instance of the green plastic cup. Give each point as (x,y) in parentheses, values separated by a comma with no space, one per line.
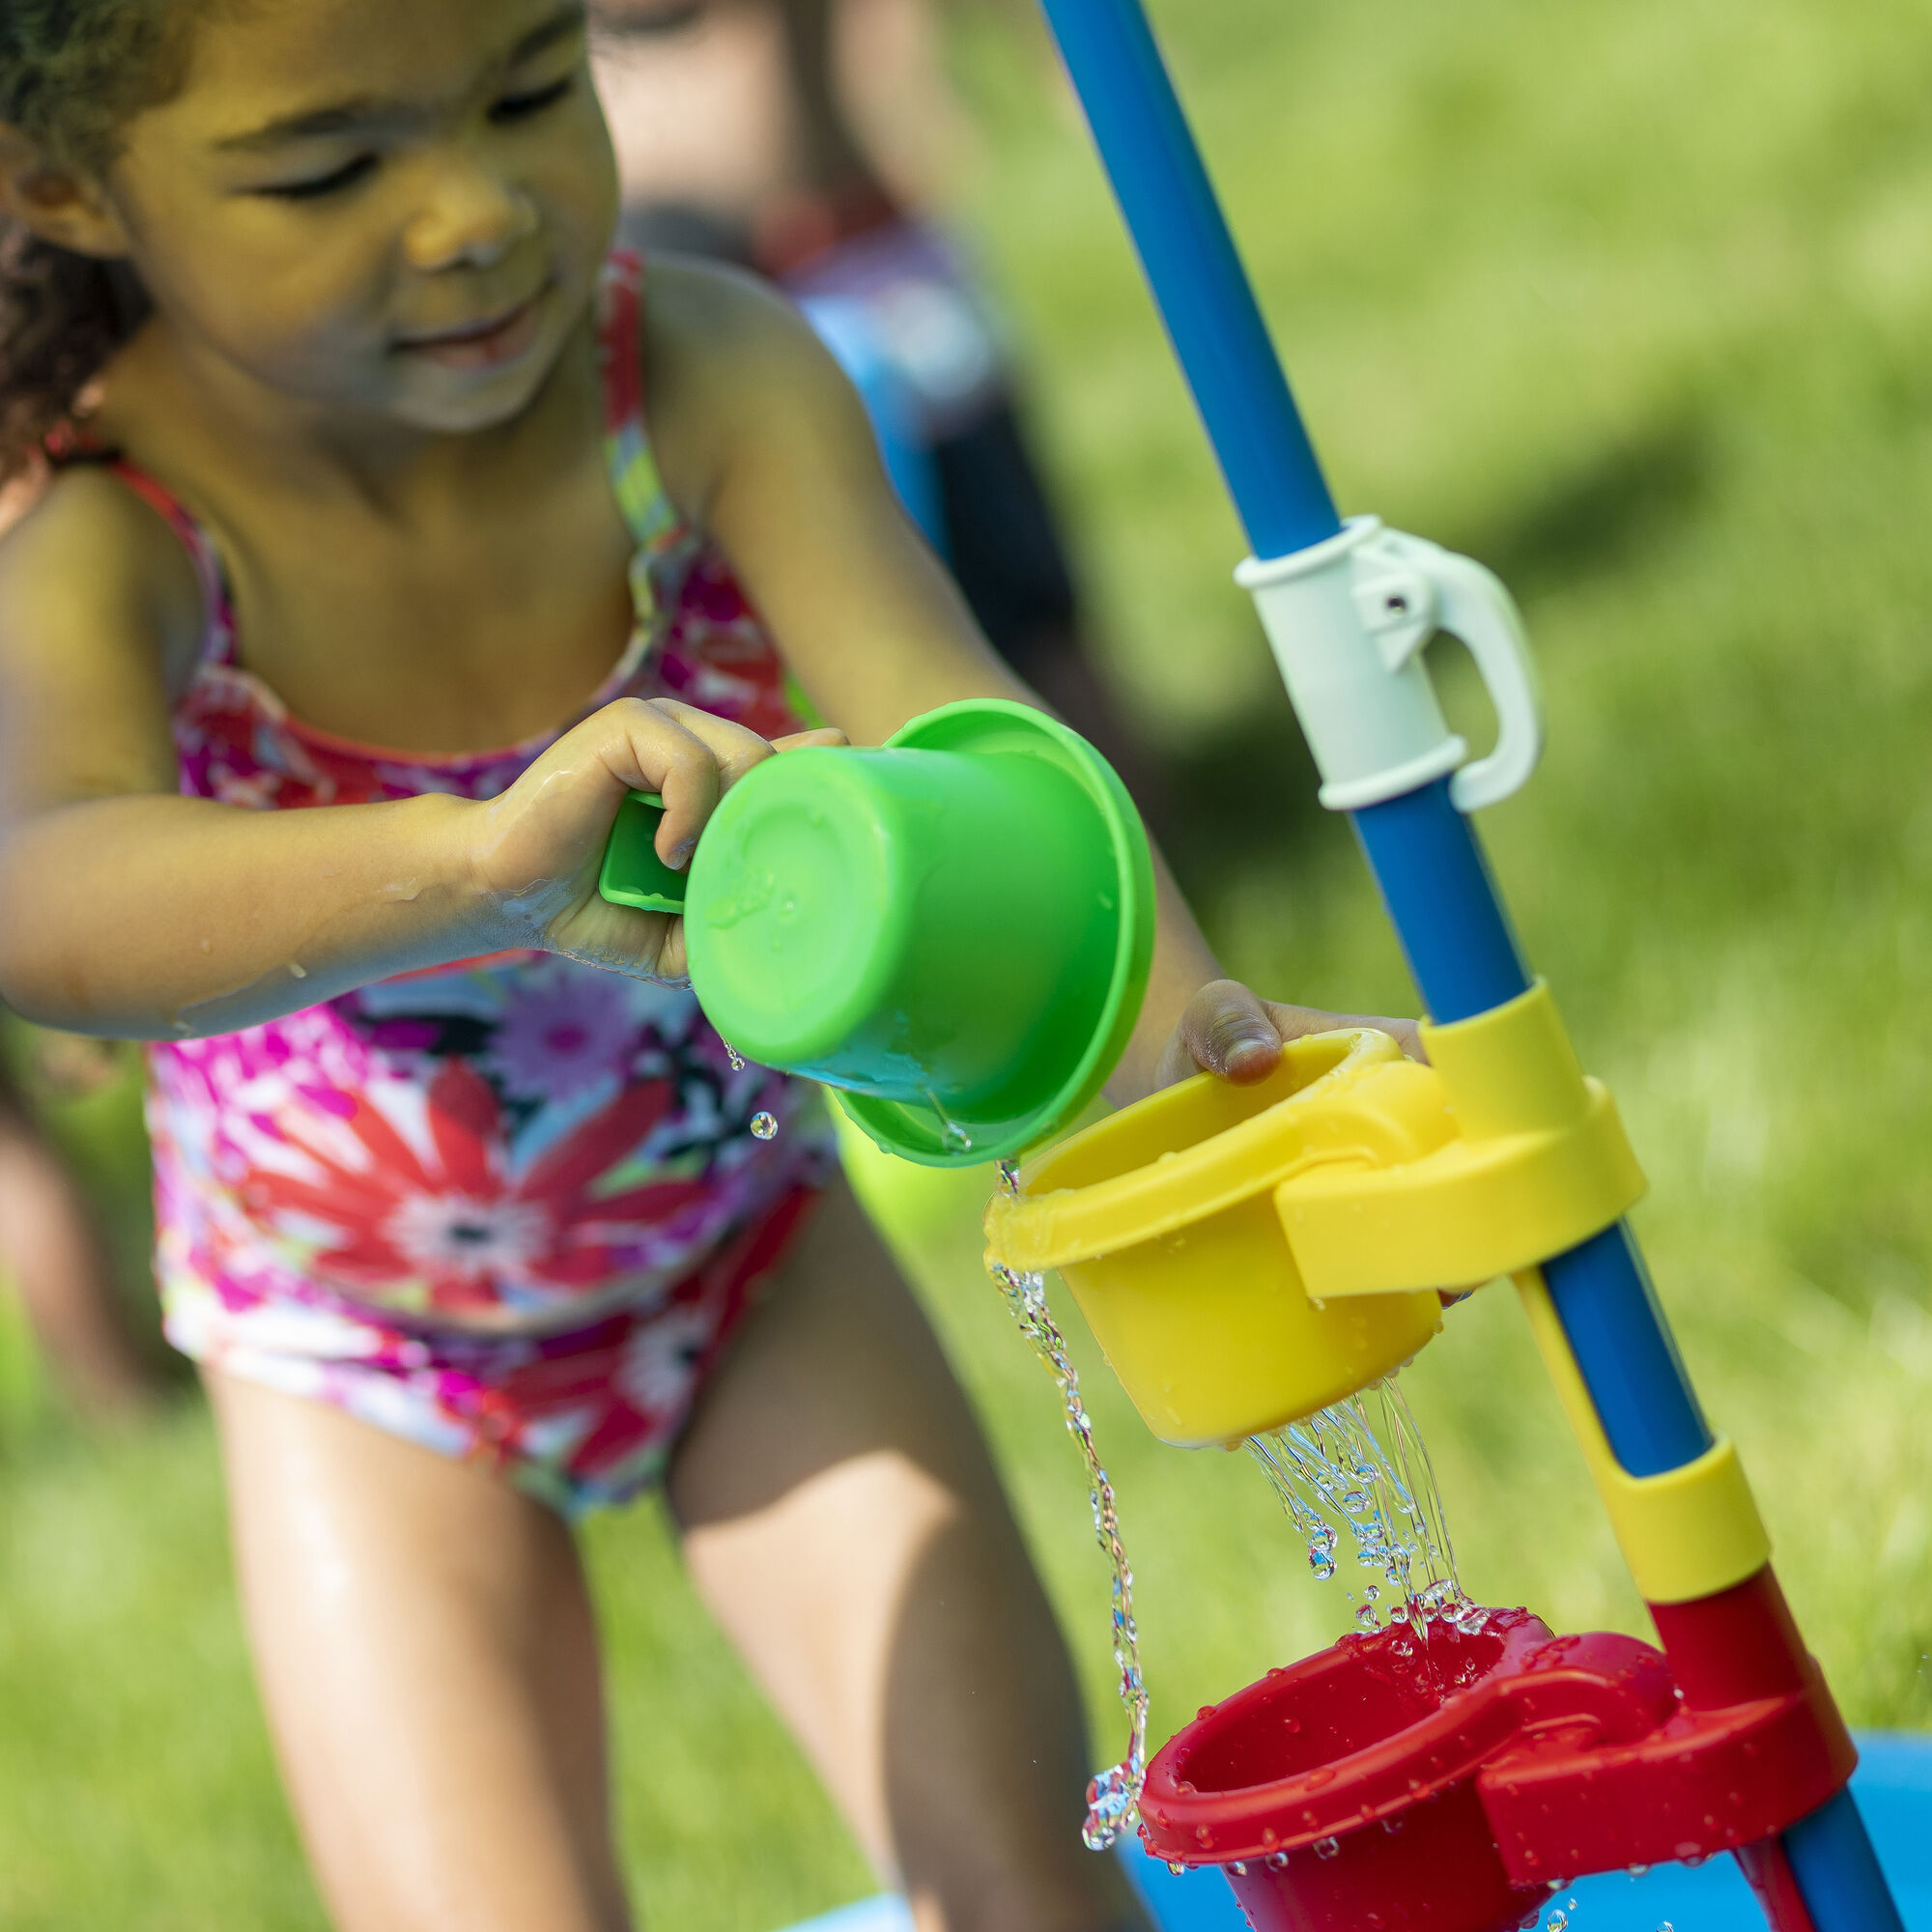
(954,929)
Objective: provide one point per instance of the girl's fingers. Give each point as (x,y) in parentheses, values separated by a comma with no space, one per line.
(734,748)
(688,757)
(647,747)
(1232,1031)
(1226,1030)
(735,752)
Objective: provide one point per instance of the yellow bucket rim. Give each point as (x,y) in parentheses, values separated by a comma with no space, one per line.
(1045,1227)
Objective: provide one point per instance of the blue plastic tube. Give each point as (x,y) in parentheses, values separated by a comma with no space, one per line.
(1425,856)
(1837,1870)
(1205,296)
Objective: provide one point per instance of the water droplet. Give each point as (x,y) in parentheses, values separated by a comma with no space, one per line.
(1113,1807)
(1557,1921)
(951,1133)
(1010,1176)
(732,1054)
(764,1125)
(1327,1848)
(1178,1869)
(1276,1861)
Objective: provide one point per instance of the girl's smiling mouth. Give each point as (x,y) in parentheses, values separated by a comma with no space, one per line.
(485,344)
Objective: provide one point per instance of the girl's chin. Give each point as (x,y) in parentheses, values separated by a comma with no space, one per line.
(453,402)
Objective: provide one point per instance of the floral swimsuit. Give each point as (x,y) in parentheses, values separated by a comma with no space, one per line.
(510,1208)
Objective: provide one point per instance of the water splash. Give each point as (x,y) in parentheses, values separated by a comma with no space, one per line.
(1113,1797)
(1360,1465)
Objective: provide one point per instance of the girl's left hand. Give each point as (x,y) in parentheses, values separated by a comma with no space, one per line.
(1234,1033)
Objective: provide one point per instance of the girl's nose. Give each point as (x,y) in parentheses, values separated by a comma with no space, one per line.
(471,220)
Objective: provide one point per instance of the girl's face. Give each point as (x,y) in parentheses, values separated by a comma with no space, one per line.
(393,206)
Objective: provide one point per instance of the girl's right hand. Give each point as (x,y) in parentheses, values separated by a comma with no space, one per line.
(537,852)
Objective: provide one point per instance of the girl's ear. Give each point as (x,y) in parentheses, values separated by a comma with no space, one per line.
(54,203)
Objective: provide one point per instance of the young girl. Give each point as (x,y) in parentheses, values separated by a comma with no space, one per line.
(362,456)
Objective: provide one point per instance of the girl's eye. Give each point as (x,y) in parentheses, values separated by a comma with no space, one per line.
(309,190)
(519,106)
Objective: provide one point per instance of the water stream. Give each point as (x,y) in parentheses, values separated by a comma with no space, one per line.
(1114,1796)
(1358,1467)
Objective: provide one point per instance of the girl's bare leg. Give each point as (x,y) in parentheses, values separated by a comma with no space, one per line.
(428,1658)
(843,1522)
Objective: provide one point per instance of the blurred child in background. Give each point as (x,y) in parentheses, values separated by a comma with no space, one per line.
(53,1254)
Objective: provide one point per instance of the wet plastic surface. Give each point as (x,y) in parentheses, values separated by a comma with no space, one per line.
(1441,1787)
(1893,1787)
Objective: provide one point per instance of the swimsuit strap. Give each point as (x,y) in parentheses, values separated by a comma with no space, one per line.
(218,622)
(647,509)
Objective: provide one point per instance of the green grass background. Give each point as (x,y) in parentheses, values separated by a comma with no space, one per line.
(1632,302)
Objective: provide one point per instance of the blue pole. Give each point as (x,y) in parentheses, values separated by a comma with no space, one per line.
(1205,296)
(1426,857)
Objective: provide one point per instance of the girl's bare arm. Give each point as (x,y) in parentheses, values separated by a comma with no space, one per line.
(126,909)
(763,439)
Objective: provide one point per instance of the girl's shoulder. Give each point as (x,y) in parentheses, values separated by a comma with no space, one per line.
(87,566)
(727,358)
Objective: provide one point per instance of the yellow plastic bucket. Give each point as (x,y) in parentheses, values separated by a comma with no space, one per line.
(1162,1221)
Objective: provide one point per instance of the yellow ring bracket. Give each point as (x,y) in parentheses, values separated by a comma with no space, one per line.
(1537,1162)
(1686,1534)
(1163,1223)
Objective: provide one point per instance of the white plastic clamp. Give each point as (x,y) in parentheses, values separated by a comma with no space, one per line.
(1347,619)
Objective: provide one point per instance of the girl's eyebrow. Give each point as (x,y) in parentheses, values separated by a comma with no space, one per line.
(307,124)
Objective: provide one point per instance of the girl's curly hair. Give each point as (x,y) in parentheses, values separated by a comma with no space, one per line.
(71,72)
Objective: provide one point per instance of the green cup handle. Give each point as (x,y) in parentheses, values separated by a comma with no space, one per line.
(632,874)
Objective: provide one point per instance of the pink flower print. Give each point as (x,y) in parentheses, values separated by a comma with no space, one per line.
(460,1235)
(446,1229)
(659,1367)
(575,1379)
(565,1029)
